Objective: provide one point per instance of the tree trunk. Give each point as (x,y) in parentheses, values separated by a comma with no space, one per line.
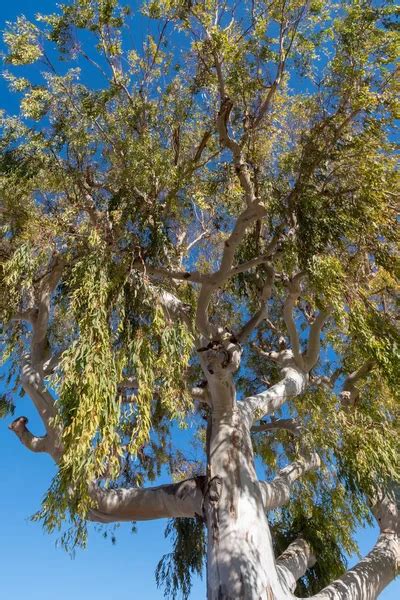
(241,564)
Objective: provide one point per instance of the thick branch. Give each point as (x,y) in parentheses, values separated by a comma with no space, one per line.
(241,167)
(292,297)
(277,492)
(174,309)
(215,280)
(370,576)
(314,340)
(351,391)
(293,384)
(30,441)
(201,393)
(269,251)
(39,345)
(294,562)
(202,145)
(34,386)
(184,499)
(158,272)
(219,360)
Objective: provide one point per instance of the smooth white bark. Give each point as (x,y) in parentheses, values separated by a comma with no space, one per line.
(30,441)
(184,499)
(291,425)
(293,383)
(240,559)
(294,562)
(370,576)
(276,493)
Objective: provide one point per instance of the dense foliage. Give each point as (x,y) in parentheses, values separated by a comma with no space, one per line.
(114,169)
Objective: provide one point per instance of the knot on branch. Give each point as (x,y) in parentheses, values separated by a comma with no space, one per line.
(386,510)
(225,109)
(221,357)
(346,399)
(19,425)
(213,490)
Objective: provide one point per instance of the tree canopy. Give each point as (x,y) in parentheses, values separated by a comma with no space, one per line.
(185,174)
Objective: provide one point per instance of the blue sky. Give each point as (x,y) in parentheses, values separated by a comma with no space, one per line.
(31,563)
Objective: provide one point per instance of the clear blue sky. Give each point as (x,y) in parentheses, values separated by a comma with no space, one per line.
(31,565)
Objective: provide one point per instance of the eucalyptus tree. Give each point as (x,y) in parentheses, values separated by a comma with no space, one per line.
(198,207)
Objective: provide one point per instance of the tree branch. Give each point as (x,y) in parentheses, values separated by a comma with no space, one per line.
(39,345)
(184,499)
(158,272)
(293,384)
(277,492)
(266,104)
(33,385)
(314,340)
(174,309)
(370,576)
(292,297)
(30,441)
(215,280)
(294,562)
(350,392)
(241,167)
(262,313)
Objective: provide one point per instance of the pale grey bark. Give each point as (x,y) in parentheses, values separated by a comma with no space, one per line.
(294,562)
(261,314)
(276,493)
(160,273)
(184,499)
(39,343)
(373,573)
(248,216)
(33,384)
(314,340)
(370,576)
(240,561)
(293,383)
(174,309)
(30,441)
(294,291)
(350,392)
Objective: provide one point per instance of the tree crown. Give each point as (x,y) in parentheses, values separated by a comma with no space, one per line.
(160,193)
